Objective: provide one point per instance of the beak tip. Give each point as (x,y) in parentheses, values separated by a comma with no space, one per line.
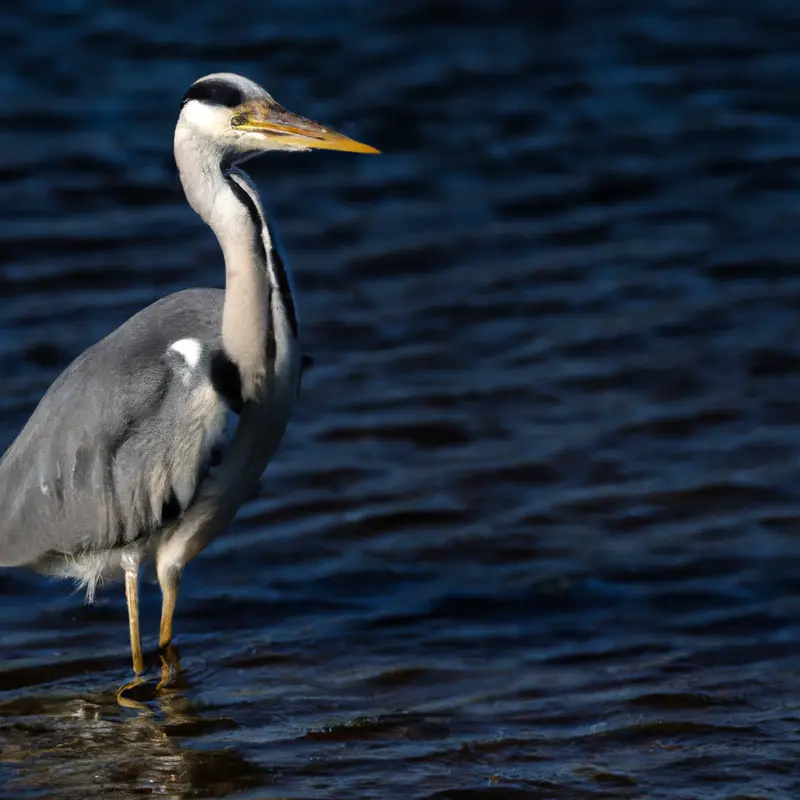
(352,146)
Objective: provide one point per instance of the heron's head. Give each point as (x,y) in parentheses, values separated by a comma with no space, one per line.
(232,114)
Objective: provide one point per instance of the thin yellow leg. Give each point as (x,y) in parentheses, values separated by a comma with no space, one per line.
(132,598)
(169,589)
(169,657)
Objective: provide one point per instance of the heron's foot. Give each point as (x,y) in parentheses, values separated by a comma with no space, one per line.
(128,693)
(170,666)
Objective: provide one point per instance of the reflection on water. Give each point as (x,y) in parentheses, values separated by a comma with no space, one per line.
(80,745)
(533,528)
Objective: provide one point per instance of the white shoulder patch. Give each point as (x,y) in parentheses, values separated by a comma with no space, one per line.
(190,349)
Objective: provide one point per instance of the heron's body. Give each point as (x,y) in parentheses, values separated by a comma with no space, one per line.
(88,499)
(159,374)
(114,467)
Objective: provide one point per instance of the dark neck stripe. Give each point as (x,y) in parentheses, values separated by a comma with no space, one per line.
(272,260)
(284,288)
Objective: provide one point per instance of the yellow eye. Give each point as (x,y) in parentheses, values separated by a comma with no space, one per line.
(239,119)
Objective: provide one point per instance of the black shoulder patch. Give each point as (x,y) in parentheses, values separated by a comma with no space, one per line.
(214,93)
(226,380)
(171,509)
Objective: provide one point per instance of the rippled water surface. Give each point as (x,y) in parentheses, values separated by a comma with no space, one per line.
(533,530)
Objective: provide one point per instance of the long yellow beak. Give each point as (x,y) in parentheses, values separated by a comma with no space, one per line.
(291,130)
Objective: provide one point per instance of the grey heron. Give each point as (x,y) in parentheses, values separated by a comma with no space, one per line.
(118,464)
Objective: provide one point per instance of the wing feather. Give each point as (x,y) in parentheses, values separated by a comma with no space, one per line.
(121,435)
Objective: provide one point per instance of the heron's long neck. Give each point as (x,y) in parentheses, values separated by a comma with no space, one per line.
(259,323)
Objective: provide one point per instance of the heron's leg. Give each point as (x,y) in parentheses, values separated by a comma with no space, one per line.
(132,598)
(170,581)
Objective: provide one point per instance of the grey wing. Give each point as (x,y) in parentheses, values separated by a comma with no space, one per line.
(124,433)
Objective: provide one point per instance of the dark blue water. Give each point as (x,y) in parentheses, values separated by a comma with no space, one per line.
(533,530)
